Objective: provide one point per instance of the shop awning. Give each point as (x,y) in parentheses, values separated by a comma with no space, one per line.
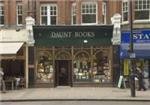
(72,35)
(10,48)
(141,50)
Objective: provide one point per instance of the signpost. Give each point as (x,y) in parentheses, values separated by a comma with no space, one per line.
(132,55)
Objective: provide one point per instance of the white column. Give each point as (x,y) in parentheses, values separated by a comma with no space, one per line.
(30,42)
(116,21)
(29,26)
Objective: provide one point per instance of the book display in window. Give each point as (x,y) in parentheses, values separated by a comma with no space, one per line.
(101,69)
(45,67)
(82,68)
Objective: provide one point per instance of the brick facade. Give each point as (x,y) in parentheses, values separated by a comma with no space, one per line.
(64,10)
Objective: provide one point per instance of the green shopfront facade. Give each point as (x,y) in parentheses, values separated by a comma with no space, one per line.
(73,55)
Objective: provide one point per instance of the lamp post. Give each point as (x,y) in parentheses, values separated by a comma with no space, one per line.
(131,55)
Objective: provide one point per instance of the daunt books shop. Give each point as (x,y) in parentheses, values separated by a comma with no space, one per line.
(73,56)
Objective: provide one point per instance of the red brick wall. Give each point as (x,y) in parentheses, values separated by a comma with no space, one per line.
(64,10)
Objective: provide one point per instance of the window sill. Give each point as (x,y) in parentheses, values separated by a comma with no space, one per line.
(89,23)
(141,21)
(125,23)
(1,25)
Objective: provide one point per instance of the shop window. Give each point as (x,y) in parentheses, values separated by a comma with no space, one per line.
(82,68)
(1,14)
(101,69)
(89,13)
(45,67)
(48,14)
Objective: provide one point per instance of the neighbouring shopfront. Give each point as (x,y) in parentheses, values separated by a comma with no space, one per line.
(13,55)
(141,39)
(73,55)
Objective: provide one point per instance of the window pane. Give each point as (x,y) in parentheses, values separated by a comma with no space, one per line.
(19,19)
(140,15)
(19,14)
(1,19)
(74,19)
(53,20)
(125,17)
(1,14)
(44,20)
(89,18)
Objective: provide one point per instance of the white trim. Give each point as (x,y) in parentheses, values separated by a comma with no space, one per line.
(141,21)
(125,22)
(89,24)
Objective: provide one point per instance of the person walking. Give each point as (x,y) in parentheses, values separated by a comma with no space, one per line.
(2,83)
(140,79)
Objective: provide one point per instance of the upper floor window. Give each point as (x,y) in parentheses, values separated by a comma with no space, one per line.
(1,14)
(19,14)
(125,10)
(74,13)
(48,14)
(104,11)
(89,12)
(142,9)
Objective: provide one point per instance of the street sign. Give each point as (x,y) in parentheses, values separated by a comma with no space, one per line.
(132,55)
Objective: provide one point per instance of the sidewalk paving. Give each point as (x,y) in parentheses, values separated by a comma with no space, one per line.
(74,94)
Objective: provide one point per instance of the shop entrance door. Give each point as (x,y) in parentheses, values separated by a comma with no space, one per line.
(63,73)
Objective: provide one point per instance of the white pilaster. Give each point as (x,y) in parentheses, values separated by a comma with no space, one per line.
(116,21)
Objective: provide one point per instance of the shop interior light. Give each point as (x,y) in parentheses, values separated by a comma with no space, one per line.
(85,41)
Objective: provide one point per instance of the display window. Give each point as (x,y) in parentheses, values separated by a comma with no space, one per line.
(82,67)
(44,67)
(95,69)
(101,67)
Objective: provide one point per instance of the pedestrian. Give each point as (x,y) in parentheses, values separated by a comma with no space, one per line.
(2,83)
(140,76)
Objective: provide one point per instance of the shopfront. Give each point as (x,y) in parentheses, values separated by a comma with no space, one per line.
(13,55)
(73,55)
(141,39)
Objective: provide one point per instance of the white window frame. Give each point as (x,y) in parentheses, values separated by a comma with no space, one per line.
(48,13)
(140,9)
(104,11)
(126,10)
(73,13)
(1,14)
(88,3)
(19,4)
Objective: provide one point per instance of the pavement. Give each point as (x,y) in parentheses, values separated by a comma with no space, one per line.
(74,94)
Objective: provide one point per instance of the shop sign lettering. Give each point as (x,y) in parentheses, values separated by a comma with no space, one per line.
(62,35)
(142,36)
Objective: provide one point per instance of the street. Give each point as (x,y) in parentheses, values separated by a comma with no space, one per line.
(77,103)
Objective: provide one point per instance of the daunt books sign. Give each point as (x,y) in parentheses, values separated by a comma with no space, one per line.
(72,35)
